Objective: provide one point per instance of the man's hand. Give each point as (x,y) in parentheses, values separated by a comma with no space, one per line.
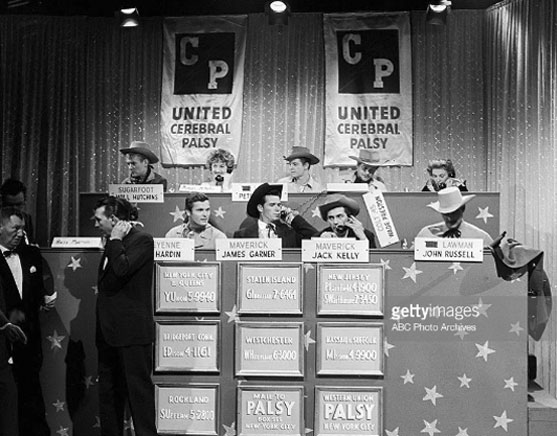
(49,301)
(120,230)
(357,226)
(14,333)
(16,316)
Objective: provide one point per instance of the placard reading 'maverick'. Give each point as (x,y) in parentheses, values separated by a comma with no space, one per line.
(187,288)
(270,288)
(350,290)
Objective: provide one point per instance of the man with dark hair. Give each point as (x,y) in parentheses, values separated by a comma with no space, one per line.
(14,193)
(273,220)
(125,326)
(140,162)
(196,225)
(300,179)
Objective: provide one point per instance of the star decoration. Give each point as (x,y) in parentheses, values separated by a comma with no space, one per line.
(464,381)
(484,350)
(307,267)
(387,346)
(482,307)
(411,272)
(128,424)
(233,315)
(59,406)
(510,384)
(308,340)
(55,340)
(392,433)
(230,430)
(97,423)
(515,328)
(63,431)
(484,214)
(308,430)
(315,212)
(462,432)
(461,334)
(430,427)
(88,381)
(408,377)
(219,212)
(455,266)
(177,215)
(75,263)
(95,289)
(432,395)
(502,421)
(386,264)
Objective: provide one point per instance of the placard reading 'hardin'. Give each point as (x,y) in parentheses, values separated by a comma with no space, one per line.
(187,288)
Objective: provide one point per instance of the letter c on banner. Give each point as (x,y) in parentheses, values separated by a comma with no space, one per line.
(185,57)
(355,39)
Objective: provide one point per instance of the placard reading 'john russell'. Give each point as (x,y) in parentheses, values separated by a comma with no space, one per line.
(187,288)
(270,288)
(187,346)
(187,409)
(271,410)
(269,349)
(348,411)
(349,349)
(350,290)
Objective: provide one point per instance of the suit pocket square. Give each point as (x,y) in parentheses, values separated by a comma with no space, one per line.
(32,269)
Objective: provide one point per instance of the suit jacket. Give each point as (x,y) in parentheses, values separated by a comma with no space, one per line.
(124,300)
(369,235)
(5,348)
(291,236)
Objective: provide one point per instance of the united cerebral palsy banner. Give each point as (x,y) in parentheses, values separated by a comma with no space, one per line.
(369,87)
(202,87)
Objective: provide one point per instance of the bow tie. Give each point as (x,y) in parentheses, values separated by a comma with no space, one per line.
(452,233)
(8,253)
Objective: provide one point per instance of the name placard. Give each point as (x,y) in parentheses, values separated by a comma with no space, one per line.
(199,188)
(335,250)
(248,249)
(76,242)
(350,290)
(187,409)
(380,218)
(270,288)
(349,349)
(269,349)
(174,249)
(271,410)
(449,249)
(138,193)
(347,187)
(187,288)
(350,411)
(242,191)
(187,346)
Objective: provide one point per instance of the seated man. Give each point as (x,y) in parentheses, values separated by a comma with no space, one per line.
(368,162)
(273,220)
(196,225)
(340,212)
(451,206)
(300,180)
(140,162)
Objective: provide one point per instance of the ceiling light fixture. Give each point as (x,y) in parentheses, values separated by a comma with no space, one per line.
(437,12)
(129,17)
(278,12)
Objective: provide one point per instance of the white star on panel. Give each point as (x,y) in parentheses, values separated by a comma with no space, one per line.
(484,350)
(59,406)
(177,214)
(233,314)
(230,430)
(75,263)
(408,377)
(464,381)
(392,433)
(315,213)
(484,214)
(386,346)
(411,272)
(482,307)
(88,381)
(502,421)
(461,334)
(386,264)
(430,427)
(97,423)
(455,266)
(308,340)
(510,384)
(432,395)
(55,340)
(62,431)
(515,328)
(308,430)
(219,212)
(307,267)
(462,432)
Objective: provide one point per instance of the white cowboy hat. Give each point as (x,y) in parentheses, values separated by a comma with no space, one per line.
(450,199)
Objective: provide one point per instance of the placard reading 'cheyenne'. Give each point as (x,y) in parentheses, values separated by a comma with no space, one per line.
(187,409)
(350,290)
(187,346)
(349,349)
(335,250)
(271,410)
(138,193)
(449,249)
(248,249)
(348,411)
(270,288)
(269,349)
(187,288)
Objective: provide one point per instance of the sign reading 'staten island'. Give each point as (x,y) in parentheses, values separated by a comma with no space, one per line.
(335,250)
(138,193)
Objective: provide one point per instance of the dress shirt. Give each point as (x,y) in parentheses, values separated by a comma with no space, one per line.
(467,230)
(311,185)
(266,231)
(204,239)
(14,263)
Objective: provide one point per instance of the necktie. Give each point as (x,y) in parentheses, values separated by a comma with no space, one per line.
(452,233)
(270,231)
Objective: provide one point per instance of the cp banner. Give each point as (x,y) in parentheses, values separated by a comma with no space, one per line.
(202,87)
(369,88)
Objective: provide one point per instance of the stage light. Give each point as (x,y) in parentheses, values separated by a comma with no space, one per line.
(129,17)
(437,12)
(278,12)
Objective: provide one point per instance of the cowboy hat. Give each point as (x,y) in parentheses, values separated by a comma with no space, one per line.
(142,148)
(258,195)
(449,200)
(370,157)
(302,152)
(512,259)
(338,200)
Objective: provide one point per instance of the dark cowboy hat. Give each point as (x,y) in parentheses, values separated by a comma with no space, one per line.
(258,195)
(370,157)
(338,200)
(142,148)
(512,259)
(302,152)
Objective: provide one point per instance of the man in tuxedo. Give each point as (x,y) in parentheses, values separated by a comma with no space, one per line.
(21,276)
(273,220)
(125,326)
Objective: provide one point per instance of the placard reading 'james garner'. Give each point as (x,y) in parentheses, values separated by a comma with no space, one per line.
(187,346)
(349,349)
(270,288)
(187,288)
(271,410)
(269,349)
(187,409)
(350,290)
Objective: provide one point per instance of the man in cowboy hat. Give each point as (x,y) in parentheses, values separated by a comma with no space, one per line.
(340,212)
(451,206)
(140,162)
(300,179)
(368,162)
(273,220)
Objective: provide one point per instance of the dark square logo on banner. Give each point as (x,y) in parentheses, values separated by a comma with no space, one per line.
(204,63)
(368,62)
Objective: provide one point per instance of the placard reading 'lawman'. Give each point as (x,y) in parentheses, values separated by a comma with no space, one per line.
(269,349)
(350,411)
(187,346)
(202,87)
(270,288)
(187,409)
(368,87)
(187,288)
(349,349)
(271,410)
(350,290)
